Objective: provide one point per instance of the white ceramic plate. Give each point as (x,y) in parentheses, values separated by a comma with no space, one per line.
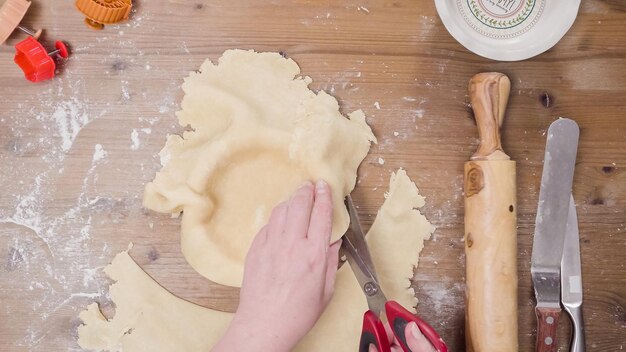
(508,30)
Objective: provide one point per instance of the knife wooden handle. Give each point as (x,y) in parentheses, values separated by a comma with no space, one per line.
(490,225)
(547,323)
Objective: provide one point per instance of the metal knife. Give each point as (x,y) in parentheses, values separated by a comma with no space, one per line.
(571,280)
(550,225)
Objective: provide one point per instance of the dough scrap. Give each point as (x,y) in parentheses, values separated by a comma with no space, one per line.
(259,133)
(149,318)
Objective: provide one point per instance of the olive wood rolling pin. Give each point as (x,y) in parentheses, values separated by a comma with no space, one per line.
(490,225)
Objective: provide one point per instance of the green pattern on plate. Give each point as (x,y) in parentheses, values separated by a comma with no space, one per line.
(487,20)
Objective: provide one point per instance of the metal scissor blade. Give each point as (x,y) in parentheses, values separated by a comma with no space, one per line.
(357,238)
(355,249)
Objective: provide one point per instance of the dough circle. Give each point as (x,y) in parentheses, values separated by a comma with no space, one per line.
(258,134)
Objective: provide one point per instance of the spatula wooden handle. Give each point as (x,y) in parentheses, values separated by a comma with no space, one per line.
(547,323)
(490,226)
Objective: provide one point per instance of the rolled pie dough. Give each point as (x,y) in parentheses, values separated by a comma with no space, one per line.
(258,133)
(149,318)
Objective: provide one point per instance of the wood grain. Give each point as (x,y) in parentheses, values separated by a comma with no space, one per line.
(491,314)
(396,53)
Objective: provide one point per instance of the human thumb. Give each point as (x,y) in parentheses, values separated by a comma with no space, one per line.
(415,340)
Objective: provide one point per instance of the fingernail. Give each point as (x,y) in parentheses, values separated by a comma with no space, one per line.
(372,348)
(321,186)
(415,331)
(307,184)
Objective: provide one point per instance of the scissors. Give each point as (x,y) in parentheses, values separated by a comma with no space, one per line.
(373,332)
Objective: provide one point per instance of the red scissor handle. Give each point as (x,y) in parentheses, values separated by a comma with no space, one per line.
(399,318)
(373,333)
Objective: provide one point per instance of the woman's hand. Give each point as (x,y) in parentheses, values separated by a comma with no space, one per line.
(415,340)
(289,275)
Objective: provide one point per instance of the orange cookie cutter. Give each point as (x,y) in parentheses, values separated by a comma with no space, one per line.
(11,14)
(101,12)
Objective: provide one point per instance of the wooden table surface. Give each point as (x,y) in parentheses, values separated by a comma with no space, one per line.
(76,151)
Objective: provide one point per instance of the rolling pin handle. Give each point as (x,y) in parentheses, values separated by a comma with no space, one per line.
(489,95)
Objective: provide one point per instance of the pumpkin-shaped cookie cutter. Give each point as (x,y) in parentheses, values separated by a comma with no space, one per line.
(11,14)
(100,12)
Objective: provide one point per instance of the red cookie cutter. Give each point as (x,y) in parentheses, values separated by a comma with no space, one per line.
(37,64)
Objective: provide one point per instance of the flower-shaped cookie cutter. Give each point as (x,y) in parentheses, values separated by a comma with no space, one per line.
(101,12)
(37,64)
(11,14)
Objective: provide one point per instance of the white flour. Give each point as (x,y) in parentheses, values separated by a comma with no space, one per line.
(98,154)
(70,117)
(61,139)
(442,299)
(134,139)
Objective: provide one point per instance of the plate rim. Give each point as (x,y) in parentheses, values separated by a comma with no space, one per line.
(484,46)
